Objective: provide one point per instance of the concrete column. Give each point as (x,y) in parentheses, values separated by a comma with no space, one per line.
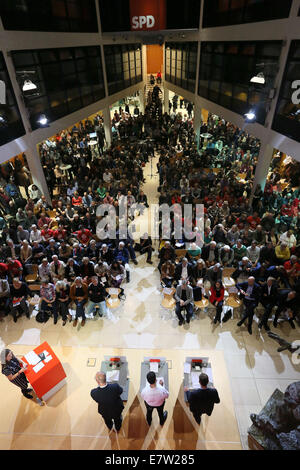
(166,100)
(142,99)
(101,48)
(197,123)
(107,125)
(262,167)
(37,172)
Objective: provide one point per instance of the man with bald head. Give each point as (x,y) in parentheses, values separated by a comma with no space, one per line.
(250,291)
(110,404)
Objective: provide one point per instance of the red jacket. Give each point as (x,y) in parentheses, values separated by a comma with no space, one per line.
(76,201)
(83,236)
(213,295)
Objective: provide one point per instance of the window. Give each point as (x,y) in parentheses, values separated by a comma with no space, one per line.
(67,79)
(226,69)
(49,15)
(123,66)
(287,115)
(11,126)
(181,64)
(231,12)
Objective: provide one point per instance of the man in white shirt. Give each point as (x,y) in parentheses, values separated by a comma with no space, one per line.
(288,238)
(154,395)
(35,235)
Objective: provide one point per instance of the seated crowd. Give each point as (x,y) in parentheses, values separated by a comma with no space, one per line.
(256,244)
(58,246)
(258,240)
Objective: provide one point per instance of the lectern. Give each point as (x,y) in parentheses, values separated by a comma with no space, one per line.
(44,372)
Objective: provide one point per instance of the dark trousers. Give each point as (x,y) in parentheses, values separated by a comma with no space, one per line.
(168,282)
(160,411)
(63,308)
(188,308)
(219,308)
(109,421)
(80,309)
(21,308)
(49,308)
(249,312)
(148,250)
(197,415)
(268,309)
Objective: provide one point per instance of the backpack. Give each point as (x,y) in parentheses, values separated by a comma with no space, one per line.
(42,317)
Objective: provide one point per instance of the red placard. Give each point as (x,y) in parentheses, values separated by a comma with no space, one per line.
(154,360)
(147,15)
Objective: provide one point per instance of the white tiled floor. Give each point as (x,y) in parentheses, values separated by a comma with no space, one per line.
(254,367)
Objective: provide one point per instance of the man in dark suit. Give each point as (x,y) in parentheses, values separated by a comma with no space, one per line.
(184,270)
(202,400)
(184,300)
(268,299)
(110,404)
(250,291)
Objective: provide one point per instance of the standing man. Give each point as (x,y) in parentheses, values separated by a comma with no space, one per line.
(251,295)
(202,400)
(154,396)
(110,404)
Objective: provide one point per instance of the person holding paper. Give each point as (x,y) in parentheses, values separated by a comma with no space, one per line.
(202,400)
(19,292)
(110,404)
(14,369)
(154,395)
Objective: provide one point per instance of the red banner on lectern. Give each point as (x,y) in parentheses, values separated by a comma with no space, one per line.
(147,15)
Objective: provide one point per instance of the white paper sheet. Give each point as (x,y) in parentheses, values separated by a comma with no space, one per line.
(112,375)
(38,367)
(168,291)
(32,358)
(195,379)
(154,367)
(187,367)
(113,291)
(48,358)
(208,371)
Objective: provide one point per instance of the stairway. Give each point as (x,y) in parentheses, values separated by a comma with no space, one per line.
(149,87)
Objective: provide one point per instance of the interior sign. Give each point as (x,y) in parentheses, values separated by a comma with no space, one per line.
(148,15)
(139,21)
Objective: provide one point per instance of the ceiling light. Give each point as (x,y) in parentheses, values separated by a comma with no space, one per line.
(259,78)
(28,86)
(43,120)
(250,116)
